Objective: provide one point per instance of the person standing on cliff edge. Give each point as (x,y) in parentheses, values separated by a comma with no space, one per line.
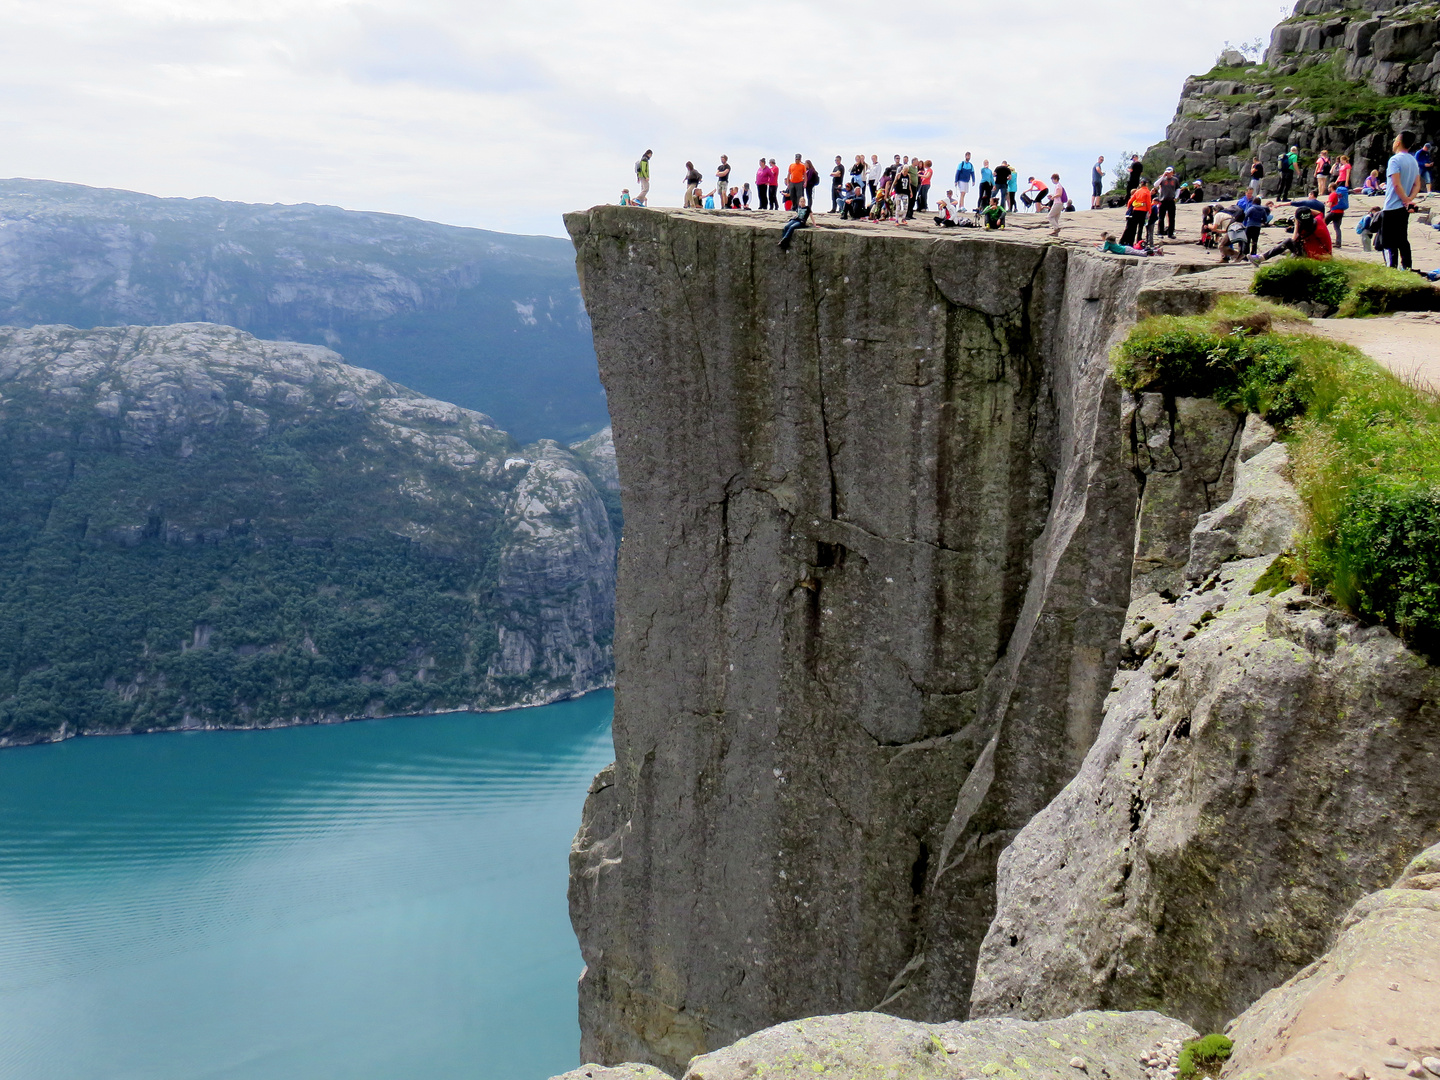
(1097,182)
(722,182)
(692,184)
(964,177)
(642,174)
(795,183)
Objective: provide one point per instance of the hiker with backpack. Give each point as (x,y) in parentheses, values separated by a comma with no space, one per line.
(642,175)
(964,177)
(1336,205)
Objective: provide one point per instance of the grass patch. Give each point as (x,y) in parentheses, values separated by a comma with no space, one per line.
(1348,287)
(1365,447)
(1204,1056)
(1324,90)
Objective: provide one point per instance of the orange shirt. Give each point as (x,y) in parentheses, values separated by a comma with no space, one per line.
(797,172)
(1141,199)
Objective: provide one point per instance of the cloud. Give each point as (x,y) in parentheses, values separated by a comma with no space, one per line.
(503,115)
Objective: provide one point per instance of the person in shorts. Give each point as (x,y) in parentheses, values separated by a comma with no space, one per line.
(1097,182)
(964,177)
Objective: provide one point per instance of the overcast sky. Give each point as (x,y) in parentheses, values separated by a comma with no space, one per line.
(504,115)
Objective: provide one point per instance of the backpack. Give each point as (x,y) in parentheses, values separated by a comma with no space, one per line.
(1343,203)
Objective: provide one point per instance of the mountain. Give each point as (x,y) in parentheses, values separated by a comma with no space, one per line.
(1338,76)
(490,321)
(199,528)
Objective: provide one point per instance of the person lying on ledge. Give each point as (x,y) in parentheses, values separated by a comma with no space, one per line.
(1108,243)
(1309,241)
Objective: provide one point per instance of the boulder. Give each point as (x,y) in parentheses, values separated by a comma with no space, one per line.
(1399,42)
(1374,996)
(1233,58)
(1088,1044)
(1358,36)
(1262,515)
(1312,37)
(628,1071)
(1283,39)
(1264,761)
(1183,447)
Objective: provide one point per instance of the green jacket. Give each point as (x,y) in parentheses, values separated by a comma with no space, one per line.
(642,169)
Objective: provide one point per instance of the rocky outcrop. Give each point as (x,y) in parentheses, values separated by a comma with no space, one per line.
(204,529)
(619,1072)
(1263,762)
(488,320)
(1088,1044)
(1368,1006)
(879,519)
(1338,76)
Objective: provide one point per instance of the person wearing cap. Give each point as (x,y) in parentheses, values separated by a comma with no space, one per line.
(1166,190)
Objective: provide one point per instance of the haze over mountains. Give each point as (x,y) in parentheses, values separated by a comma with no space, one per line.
(488,321)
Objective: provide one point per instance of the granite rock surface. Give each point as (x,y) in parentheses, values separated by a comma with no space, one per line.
(1087,1044)
(1263,762)
(879,525)
(1372,1000)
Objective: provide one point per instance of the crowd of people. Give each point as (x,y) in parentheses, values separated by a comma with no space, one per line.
(893,191)
(897,190)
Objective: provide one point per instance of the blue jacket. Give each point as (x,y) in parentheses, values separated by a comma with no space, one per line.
(965,173)
(1256,215)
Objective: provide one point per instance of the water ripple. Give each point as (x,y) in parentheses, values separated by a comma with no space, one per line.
(380,899)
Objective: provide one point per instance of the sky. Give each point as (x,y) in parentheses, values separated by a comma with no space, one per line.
(503,116)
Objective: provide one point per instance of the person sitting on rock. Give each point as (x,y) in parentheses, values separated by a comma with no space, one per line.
(1373,184)
(1311,202)
(945,219)
(625,199)
(799,221)
(994,214)
(1311,240)
(852,205)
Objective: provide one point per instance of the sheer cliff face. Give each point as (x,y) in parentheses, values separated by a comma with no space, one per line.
(877,555)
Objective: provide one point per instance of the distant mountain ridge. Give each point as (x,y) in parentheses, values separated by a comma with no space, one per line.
(202,529)
(489,321)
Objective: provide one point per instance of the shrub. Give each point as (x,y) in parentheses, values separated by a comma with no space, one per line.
(1294,281)
(1230,354)
(1365,447)
(1207,1053)
(1376,290)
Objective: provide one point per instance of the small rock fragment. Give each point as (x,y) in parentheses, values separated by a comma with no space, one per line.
(1395,1063)
(1077,1063)
(1415,1069)
(1392,1041)
(1357,1073)
(1394,986)
(1431,1063)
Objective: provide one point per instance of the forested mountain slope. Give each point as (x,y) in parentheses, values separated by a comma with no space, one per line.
(199,528)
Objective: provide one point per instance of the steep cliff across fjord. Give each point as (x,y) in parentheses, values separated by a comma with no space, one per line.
(879,523)
(202,529)
(487,320)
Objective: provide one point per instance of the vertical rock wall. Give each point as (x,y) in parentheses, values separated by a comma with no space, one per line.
(879,518)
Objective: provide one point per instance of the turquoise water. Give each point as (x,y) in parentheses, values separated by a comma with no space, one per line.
(381,900)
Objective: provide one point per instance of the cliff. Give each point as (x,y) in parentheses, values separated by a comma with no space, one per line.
(204,529)
(1338,76)
(879,518)
(487,320)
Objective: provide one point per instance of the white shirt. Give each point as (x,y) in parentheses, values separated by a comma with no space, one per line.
(875,172)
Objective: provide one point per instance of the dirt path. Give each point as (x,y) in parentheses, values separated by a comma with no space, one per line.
(1407,344)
